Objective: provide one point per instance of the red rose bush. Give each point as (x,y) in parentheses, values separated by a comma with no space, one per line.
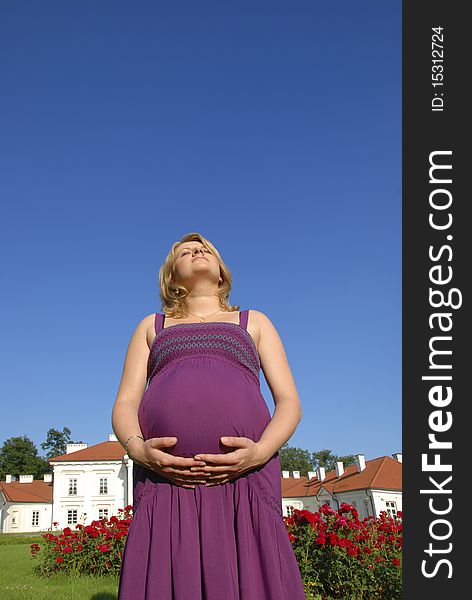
(342,557)
(94,549)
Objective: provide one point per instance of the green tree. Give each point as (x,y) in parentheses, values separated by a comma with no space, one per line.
(295,459)
(326,458)
(56,442)
(19,456)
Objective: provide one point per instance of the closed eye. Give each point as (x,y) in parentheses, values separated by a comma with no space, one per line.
(188,252)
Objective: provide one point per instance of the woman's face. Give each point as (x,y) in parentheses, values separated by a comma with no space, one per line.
(193,260)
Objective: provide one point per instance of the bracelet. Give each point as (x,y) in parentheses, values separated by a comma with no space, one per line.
(130,437)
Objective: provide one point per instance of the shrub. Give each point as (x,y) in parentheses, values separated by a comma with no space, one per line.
(342,557)
(94,549)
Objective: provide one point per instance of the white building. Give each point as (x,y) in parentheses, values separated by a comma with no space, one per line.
(89,483)
(371,486)
(25,505)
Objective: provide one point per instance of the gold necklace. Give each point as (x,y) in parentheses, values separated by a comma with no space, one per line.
(202,319)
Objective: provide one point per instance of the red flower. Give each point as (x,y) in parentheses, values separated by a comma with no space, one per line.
(396,562)
(59,559)
(333,539)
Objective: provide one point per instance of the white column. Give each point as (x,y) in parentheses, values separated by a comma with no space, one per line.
(129,481)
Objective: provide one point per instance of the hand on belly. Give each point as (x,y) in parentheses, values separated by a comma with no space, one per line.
(242,455)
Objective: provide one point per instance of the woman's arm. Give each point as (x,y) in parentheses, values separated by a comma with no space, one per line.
(274,364)
(133,383)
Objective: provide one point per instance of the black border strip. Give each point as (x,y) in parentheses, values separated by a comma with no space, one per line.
(436,271)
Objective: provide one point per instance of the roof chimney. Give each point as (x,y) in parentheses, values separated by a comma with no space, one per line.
(296,474)
(75,447)
(321,473)
(311,474)
(398,456)
(26,479)
(47,477)
(112,437)
(339,469)
(360,462)
(285,474)
(8,479)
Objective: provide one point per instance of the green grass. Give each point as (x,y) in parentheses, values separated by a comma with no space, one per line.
(18,582)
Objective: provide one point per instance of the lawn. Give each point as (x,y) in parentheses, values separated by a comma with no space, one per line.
(17,581)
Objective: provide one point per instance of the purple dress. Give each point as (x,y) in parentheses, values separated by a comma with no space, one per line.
(229,540)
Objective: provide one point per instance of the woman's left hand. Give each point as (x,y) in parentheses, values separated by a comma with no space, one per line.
(246,456)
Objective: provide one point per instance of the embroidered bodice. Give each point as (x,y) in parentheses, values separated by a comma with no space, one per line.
(227,341)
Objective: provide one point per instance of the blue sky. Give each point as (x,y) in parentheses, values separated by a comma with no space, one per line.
(272,128)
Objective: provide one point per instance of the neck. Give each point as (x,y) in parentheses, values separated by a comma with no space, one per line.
(203,299)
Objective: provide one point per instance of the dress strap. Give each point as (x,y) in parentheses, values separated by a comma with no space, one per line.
(158,322)
(243,317)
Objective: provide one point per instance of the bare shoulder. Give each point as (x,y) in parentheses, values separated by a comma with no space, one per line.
(259,318)
(258,324)
(148,326)
(145,329)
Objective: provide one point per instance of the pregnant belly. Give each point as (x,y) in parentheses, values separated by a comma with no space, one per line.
(200,405)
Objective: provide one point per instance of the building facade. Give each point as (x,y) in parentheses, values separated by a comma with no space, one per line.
(89,483)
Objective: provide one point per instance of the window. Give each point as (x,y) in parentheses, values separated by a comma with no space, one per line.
(391,508)
(72,487)
(35,520)
(103,485)
(291,507)
(102,513)
(72,516)
(14,518)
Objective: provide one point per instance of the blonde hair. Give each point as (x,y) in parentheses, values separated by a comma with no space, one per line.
(173,294)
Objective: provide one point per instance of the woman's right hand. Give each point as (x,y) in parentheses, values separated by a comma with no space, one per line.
(174,468)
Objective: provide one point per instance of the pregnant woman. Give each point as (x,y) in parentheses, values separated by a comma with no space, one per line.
(207,521)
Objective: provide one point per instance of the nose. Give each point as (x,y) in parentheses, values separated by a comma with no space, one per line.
(200,250)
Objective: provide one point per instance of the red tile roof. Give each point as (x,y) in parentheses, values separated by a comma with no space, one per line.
(102,451)
(380,473)
(36,491)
